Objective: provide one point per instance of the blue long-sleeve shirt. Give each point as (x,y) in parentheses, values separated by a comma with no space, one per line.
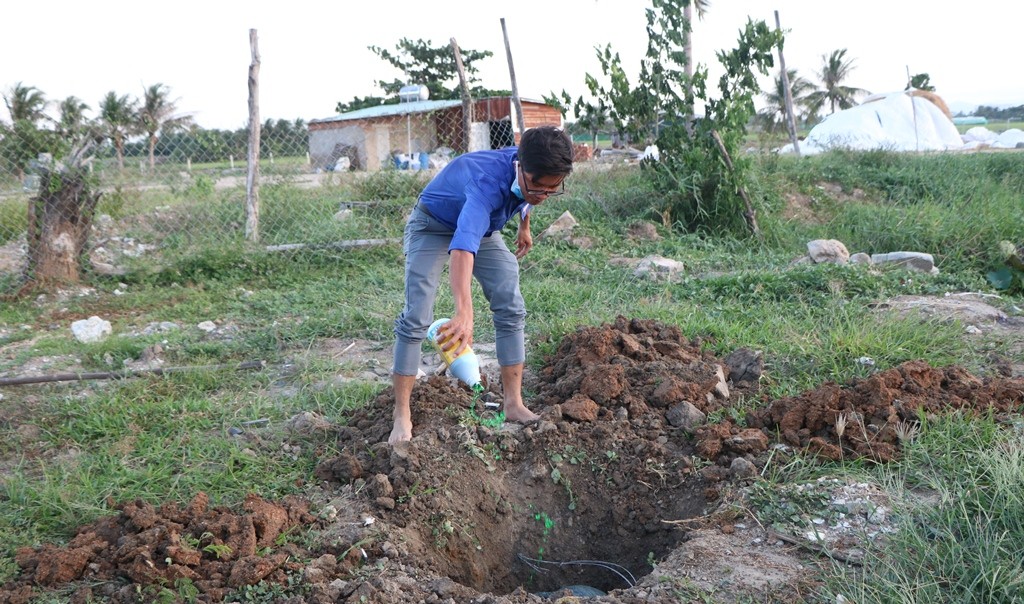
(472,196)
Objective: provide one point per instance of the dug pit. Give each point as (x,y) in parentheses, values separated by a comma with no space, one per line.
(580,497)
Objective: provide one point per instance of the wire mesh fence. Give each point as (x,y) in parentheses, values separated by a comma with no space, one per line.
(175,191)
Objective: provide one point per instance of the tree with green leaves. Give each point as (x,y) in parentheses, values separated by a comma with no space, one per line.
(700,174)
(118,121)
(158,115)
(802,90)
(26,103)
(427,65)
(358,103)
(72,122)
(702,7)
(834,71)
(430,66)
(920,81)
(593,118)
(283,137)
(24,139)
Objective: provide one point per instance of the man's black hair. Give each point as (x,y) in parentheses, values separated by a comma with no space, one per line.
(545,151)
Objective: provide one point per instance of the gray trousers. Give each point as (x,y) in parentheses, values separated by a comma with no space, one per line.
(495,268)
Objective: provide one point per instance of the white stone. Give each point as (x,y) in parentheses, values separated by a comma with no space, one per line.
(878,515)
(207,326)
(828,250)
(93,329)
(561,227)
(658,266)
(161,327)
(918,261)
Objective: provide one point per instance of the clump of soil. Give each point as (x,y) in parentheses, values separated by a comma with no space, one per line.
(215,549)
(623,470)
(871,417)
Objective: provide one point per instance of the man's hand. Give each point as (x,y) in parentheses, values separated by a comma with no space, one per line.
(457,335)
(524,240)
(460,328)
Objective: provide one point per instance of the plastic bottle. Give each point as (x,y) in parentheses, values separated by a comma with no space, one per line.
(466,366)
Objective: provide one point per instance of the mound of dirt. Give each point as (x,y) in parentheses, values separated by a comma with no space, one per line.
(622,471)
(871,417)
(213,549)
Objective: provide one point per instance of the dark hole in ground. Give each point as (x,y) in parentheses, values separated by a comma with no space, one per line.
(471,516)
(594,480)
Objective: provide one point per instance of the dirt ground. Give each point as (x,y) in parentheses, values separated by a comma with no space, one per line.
(637,485)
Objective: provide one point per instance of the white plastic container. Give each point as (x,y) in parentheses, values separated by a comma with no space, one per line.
(466,366)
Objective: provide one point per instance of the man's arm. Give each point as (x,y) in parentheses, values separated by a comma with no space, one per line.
(524,240)
(460,328)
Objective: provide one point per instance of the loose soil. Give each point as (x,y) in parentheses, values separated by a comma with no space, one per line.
(628,484)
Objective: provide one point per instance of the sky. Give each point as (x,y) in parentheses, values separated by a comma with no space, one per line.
(314,54)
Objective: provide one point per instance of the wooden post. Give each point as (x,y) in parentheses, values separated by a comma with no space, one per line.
(467,99)
(252,185)
(790,118)
(515,87)
(749,216)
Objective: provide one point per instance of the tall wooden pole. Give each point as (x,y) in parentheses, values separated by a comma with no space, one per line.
(790,118)
(252,184)
(515,87)
(467,99)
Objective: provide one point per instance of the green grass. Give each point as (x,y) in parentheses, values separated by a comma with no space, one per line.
(961,528)
(13,217)
(81,445)
(158,440)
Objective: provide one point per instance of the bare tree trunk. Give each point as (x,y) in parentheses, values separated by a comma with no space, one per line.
(467,99)
(152,152)
(119,147)
(688,46)
(516,102)
(252,184)
(60,218)
(790,117)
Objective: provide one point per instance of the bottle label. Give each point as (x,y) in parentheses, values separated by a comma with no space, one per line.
(465,366)
(447,356)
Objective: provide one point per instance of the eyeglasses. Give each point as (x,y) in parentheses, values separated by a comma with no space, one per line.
(545,192)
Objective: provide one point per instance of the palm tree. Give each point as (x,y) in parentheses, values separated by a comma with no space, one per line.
(24,139)
(26,103)
(118,119)
(834,70)
(157,116)
(72,119)
(802,90)
(702,7)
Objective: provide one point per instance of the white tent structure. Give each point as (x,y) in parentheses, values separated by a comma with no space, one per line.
(898,121)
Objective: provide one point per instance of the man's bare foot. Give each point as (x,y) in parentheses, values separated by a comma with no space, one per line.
(401,432)
(519,413)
